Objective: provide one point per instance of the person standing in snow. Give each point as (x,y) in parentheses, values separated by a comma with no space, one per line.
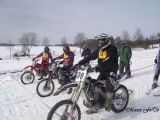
(125,55)
(157,70)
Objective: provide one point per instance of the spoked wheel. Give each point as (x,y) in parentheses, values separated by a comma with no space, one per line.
(65,110)
(45,87)
(120,99)
(27,77)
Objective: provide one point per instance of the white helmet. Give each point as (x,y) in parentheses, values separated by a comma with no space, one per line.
(103,39)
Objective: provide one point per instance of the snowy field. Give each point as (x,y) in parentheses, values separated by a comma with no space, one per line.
(21,102)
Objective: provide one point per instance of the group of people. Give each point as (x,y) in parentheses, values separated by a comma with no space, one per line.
(67,56)
(107,55)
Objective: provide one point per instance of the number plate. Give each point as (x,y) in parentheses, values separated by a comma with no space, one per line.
(80,76)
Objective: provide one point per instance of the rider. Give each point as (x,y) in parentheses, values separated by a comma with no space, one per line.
(68,59)
(46,55)
(107,65)
(86,51)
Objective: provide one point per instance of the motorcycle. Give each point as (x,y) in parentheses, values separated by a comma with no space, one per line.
(28,76)
(46,86)
(69,108)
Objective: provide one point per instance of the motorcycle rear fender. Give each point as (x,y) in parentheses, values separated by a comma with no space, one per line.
(29,66)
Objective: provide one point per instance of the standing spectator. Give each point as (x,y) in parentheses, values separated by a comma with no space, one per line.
(86,51)
(157,70)
(125,54)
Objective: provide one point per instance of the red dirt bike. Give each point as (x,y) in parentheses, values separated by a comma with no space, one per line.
(28,75)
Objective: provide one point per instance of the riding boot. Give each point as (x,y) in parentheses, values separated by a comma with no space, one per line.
(91,111)
(154,85)
(40,78)
(108,101)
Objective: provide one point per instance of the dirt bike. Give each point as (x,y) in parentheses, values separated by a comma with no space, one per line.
(28,76)
(69,109)
(46,86)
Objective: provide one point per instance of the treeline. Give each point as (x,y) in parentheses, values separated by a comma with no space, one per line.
(28,40)
(137,41)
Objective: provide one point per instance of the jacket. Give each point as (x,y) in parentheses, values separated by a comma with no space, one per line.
(125,54)
(86,52)
(158,60)
(107,58)
(68,59)
(45,56)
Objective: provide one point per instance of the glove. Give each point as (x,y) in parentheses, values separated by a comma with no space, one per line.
(61,62)
(155,61)
(75,66)
(33,59)
(53,60)
(98,68)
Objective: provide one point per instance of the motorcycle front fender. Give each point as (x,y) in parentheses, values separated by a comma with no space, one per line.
(65,87)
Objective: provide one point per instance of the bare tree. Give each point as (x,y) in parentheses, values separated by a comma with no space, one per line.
(10,45)
(28,40)
(138,35)
(125,36)
(158,36)
(118,41)
(45,41)
(64,41)
(79,39)
(152,39)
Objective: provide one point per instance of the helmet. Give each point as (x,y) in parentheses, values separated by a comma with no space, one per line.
(46,49)
(66,49)
(125,43)
(103,39)
(85,46)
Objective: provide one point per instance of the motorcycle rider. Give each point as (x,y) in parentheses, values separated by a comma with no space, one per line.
(107,64)
(86,51)
(68,59)
(46,55)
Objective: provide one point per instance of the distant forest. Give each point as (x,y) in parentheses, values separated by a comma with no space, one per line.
(137,40)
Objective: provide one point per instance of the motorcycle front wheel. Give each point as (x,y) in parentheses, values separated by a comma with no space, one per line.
(27,77)
(65,110)
(45,87)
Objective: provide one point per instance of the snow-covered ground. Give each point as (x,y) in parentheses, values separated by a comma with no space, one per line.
(21,102)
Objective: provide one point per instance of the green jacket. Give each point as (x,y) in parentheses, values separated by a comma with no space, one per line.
(125,54)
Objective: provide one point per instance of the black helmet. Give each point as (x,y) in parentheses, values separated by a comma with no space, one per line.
(103,39)
(46,49)
(66,49)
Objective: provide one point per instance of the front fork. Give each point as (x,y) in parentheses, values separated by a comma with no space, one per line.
(77,92)
(74,98)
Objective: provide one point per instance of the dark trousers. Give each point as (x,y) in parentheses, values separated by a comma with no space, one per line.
(64,75)
(127,68)
(105,76)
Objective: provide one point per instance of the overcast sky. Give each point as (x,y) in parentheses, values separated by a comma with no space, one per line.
(58,18)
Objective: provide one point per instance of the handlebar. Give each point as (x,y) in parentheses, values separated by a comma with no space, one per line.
(88,66)
(36,60)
